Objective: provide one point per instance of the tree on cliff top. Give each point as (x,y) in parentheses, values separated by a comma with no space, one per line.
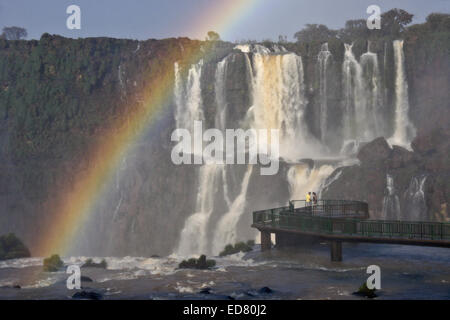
(318,32)
(14,33)
(394,21)
(213,36)
(439,21)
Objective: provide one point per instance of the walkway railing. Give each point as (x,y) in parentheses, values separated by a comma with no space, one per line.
(331,208)
(323,208)
(285,218)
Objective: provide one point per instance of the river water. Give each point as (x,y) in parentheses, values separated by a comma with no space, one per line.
(304,273)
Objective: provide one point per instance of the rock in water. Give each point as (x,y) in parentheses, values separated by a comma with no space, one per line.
(205,291)
(265,290)
(87,295)
(86,279)
(15,286)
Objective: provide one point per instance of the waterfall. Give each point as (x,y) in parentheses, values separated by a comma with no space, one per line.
(322,60)
(193,239)
(227,227)
(329,181)
(188,98)
(303,179)
(221,113)
(353,97)
(279,101)
(374,102)
(189,107)
(404,130)
(415,207)
(391,202)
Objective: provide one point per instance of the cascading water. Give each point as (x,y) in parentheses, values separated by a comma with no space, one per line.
(188,97)
(193,239)
(415,207)
(323,61)
(361,97)
(371,76)
(221,113)
(279,100)
(404,130)
(189,108)
(353,100)
(391,202)
(226,230)
(303,179)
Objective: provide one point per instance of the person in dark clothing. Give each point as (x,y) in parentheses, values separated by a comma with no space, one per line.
(314,198)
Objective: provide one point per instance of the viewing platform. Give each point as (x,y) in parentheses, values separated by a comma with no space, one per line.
(337,221)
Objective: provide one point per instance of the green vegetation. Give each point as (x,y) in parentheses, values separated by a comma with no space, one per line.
(91,264)
(393,23)
(213,36)
(53,263)
(238,247)
(366,292)
(200,263)
(13,33)
(12,247)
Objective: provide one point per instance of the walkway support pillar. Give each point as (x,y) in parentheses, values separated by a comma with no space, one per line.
(336,250)
(266,242)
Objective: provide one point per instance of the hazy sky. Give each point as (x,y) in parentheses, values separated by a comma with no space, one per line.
(143,19)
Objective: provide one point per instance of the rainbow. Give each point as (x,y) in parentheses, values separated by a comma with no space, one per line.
(70,210)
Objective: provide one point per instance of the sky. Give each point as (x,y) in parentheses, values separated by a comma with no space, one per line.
(144,19)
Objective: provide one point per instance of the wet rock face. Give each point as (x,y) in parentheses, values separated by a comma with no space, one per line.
(399,157)
(377,150)
(420,178)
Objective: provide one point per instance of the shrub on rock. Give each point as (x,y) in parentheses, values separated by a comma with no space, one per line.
(366,292)
(200,263)
(91,264)
(238,247)
(12,247)
(53,263)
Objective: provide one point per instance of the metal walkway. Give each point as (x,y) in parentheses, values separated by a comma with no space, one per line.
(346,221)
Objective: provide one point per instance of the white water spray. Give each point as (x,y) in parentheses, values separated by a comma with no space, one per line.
(414,200)
(303,179)
(323,60)
(404,130)
(391,202)
(193,239)
(226,230)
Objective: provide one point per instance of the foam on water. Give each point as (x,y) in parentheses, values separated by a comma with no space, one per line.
(21,263)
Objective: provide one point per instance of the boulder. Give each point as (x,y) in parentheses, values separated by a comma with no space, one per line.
(399,157)
(14,286)
(87,295)
(86,279)
(265,290)
(205,291)
(374,151)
